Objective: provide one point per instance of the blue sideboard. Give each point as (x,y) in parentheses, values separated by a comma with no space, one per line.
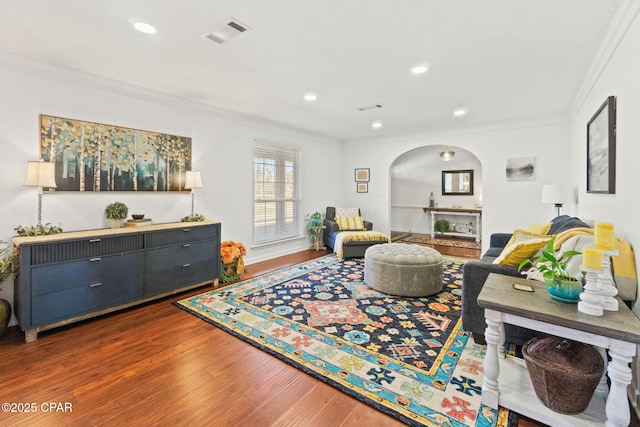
(68,277)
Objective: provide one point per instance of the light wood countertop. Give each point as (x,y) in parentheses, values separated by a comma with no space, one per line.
(100,232)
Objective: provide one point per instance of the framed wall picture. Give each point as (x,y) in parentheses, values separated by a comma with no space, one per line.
(601,149)
(96,157)
(362,175)
(521,168)
(362,187)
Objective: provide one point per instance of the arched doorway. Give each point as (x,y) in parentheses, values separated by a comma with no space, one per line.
(417,173)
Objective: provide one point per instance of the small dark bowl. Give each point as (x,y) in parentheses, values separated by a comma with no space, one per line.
(137,216)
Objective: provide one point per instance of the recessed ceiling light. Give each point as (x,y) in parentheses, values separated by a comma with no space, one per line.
(420,69)
(460,112)
(310,97)
(143,27)
(377,124)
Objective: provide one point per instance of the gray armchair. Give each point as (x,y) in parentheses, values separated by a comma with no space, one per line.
(354,249)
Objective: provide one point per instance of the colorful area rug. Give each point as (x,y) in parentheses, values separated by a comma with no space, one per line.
(425,239)
(408,357)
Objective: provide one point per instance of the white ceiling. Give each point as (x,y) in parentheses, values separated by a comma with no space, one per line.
(502,59)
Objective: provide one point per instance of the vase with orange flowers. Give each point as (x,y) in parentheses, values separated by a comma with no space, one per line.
(232,263)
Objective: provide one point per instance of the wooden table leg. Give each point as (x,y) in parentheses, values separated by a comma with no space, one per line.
(494,339)
(619,372)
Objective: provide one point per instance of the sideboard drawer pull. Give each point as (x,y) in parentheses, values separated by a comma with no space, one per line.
(186,245)
(95,240)
(186,265)
(95,259)
(95,285)
(186,230)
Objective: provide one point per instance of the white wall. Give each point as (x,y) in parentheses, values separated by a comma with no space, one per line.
(618,77)
(222,145)
(507,205)
(614,71)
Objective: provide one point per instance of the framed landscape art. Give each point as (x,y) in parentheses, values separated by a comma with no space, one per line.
(98,157)
(520,168)
(601,149)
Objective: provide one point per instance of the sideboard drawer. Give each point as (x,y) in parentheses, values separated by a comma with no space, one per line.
(47,279)
(181,275)
(184,234)
(47,253)
(181,254)
(76,301)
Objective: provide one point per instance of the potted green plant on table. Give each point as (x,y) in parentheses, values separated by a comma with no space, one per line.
(192,218)
(116,213)
(442,226)
(554,269)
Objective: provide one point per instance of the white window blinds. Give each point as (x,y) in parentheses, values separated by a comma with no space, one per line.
(275,193)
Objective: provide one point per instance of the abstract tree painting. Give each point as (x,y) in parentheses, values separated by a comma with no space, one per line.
(98,157)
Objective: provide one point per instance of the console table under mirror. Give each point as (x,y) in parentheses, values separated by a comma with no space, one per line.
(466,222)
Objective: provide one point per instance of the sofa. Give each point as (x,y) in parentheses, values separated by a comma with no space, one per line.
(475,273)
(350,249)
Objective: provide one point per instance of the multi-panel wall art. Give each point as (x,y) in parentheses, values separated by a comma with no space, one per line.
(98,157)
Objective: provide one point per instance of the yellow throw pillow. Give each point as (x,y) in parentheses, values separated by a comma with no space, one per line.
(524,235)
(539,228)
(514,254)
(350,223)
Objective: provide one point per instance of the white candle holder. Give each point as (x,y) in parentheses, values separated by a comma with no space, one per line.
(608,290)
(590,299)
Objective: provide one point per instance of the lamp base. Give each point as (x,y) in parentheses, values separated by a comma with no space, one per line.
(558,207)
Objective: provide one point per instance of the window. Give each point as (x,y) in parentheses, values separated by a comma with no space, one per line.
(275,193)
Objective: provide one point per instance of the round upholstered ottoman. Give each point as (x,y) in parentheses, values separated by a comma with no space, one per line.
(401,269)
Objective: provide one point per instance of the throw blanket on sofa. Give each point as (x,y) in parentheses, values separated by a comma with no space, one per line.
(624,264)
(353,236)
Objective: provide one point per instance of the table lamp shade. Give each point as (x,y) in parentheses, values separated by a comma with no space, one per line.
(556,193)
(192,180)
(40,174)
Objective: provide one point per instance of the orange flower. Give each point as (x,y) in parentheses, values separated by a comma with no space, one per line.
(231,251)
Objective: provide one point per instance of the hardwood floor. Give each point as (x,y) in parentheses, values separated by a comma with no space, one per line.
(159,365)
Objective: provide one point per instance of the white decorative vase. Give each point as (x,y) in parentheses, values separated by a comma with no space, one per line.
(115,223)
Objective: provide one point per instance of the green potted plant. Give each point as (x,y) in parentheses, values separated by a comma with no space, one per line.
(315,226)
(37,230)
(192,218)
(560,284)
(442,226)
(116,213)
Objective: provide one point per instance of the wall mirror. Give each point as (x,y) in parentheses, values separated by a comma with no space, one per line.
(457,183)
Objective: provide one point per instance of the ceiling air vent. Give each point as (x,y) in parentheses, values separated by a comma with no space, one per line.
(226,31)
(370,107)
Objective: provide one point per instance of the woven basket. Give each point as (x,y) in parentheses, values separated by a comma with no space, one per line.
(564,373)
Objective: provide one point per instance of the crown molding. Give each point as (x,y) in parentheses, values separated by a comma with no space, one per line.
(35,69)
(502,126)
(620,23)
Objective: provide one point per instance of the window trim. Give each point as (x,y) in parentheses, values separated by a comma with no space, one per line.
(282,232)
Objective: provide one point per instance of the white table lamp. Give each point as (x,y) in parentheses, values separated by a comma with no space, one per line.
(40,174)
(558,195)
(193,180)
